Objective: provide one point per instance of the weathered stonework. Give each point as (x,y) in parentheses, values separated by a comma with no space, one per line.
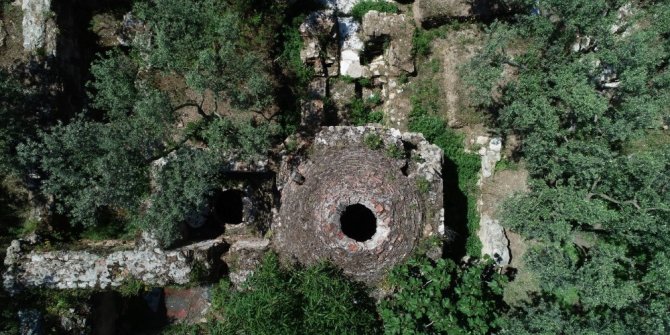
(342,171)
(82,269)
(319,34)
(490,233)
(398,30)
(39,28)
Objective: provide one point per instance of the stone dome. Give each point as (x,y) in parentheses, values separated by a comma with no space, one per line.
(355,206)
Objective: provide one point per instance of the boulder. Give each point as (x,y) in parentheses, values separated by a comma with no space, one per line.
(187,305)
(244,256)
(431,13)
(494,240)
(312,114)
(317,88)
(351,47)
(341,6)
(490,156)
(319,34)
(83,269)
(131,29)
(31,322)
(39,29)
(396,32)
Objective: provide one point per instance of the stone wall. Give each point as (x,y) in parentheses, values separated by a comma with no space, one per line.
(88,270)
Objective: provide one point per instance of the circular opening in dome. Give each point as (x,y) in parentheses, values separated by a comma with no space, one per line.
(358,222)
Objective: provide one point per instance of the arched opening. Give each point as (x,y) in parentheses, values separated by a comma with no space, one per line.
(358,222)
(228,207)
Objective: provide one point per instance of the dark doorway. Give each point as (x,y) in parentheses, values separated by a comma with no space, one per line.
(358,222)
(228,207)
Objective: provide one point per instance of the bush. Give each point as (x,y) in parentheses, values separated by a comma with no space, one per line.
(362,113)
(291,54)
(373,141)
(442,298)
(361,8)
(423,185)
(279,300)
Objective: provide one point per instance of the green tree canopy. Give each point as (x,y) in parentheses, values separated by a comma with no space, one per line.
(442,298)
(585,79)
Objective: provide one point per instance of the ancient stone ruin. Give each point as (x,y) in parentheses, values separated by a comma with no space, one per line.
(65,269)
(364,198)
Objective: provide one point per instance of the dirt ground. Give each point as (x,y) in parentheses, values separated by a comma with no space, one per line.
(455,50)
(502,185)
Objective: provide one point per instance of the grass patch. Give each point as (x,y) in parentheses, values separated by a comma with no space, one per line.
(394,152)
(423,185)
(361,8)
(131,287)
(362,111)
(423,39)
(507,164)
(373,141)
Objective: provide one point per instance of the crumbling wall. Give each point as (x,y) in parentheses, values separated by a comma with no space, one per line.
(87,270)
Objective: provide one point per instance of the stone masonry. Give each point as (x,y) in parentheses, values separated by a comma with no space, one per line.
(343,171)
(83,269)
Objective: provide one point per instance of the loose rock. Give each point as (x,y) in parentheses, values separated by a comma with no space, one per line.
(494,240)
(36,13)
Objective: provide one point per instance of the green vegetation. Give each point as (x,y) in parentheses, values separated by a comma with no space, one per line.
(443,298)
(421,43)
(373,141)
(215,46)
(423,185)
(396,152)
(278,300)
(362,111)
(582,99)
(131,287)
(461,170)
(291,53)
(98,165)
(583,85)
(18,125)
(362,7)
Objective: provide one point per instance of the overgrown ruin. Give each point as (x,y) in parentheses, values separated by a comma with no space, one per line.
(364,198)
(356,203)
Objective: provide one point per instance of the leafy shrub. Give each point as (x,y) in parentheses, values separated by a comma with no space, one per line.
(394,151)
(113,89)
(278,300)
(362,113)
(291,53)
(442,298)
(131,287)
(361,8)
(373,141)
